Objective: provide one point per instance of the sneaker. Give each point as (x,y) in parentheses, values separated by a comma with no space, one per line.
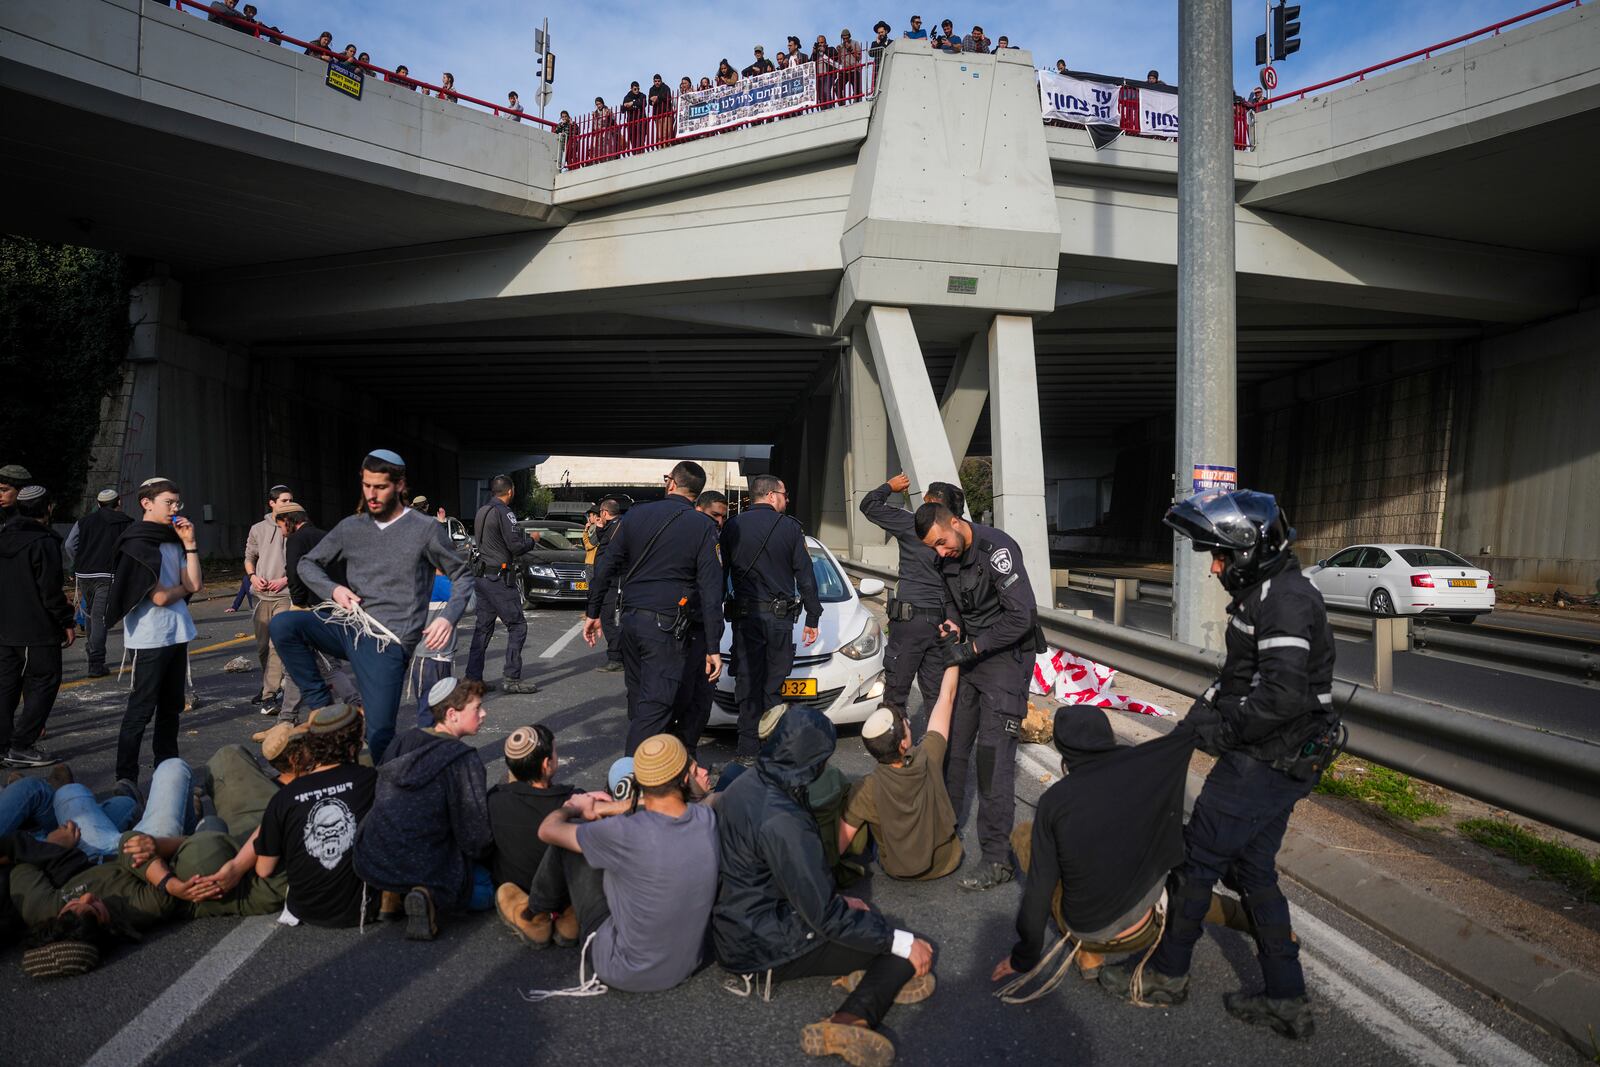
(566,928)
(1156,988)
(518,685)
(610,666)
(534,928)
(127,787)
(269,708)
(1290,1017)
(859,1046)
(987,876)
(32,756)
(422,923)
(391,906)
(917,990)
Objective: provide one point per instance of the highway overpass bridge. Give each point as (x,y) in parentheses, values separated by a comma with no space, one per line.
(925,274)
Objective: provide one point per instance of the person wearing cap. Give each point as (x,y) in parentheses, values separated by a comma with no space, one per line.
(917,607)
(309,827)
(157,571)
(390,554)
(35,626)
(633,880)
(778,915)
(264,566)
(903,802)
(880,40)
(92,544)
(849,56)
(429,824)
(500,544)
(14,477)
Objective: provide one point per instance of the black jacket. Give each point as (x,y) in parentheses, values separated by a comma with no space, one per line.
(920,579)
(660,573)
(138,566)
(97,540)
(295,546)
(989,594)
(1276,685)
(765,553)
(36,610)
(499,539)
(777,901)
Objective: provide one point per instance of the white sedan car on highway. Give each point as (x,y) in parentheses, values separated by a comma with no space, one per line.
(841,674)
(1404,580)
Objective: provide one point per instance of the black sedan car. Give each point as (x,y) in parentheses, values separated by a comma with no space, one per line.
(554,572)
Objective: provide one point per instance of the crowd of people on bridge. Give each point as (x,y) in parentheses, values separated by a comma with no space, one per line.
(347,816)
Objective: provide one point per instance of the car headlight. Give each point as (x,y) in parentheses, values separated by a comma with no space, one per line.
(541,570)
(865,644)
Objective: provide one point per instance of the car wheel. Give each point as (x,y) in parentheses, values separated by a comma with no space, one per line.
(1382,604)
(1464,620)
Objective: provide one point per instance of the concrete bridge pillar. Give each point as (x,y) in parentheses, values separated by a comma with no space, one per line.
(1018,446)
(964,395)
(919,435)
(866,462)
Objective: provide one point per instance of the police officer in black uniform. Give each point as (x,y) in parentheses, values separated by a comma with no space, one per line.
(765,551)
(989,600)
(1269,720)
(917,607)
(500,542)
(664,553)
(611,518)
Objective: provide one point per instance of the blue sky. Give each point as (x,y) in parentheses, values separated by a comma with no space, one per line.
(601,46)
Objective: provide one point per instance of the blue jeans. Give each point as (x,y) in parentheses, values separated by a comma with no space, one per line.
(380,676)
(168,810)
(244,592)
(431,671)
(482,898)
(1233,835)
(31,805)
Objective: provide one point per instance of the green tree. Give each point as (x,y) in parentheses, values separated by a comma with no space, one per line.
(64,334)
(977,481)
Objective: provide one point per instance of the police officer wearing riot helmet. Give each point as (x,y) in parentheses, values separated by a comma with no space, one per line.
(990,605)
(917,607)
(664,554)
(500,542)
(1269,720)
(607,526)
(770,571)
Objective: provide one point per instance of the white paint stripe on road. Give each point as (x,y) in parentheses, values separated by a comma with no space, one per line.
(1373,1016)
(561,642)
(1475,1042)
(144,1035)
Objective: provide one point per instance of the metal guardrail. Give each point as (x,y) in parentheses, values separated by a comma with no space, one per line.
(1530,772)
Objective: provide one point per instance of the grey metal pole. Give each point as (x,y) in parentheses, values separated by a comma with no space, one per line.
(1207,316)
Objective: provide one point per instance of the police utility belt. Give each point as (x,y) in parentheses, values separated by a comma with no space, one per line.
(676,623)
(905,611)
(780,607)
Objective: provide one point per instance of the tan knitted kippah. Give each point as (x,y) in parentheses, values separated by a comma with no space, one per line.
(331,719)
(288,507)
(521,743)
(659,759)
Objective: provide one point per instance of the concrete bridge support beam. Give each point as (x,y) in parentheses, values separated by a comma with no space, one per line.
(919,435)
(1018,446)
(964,395)
(866,463)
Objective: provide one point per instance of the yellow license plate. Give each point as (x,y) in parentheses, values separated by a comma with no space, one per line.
(1463,583)
(582,587)
(800,687)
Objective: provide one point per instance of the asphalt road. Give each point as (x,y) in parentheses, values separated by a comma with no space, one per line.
(252,992)
(1567,708)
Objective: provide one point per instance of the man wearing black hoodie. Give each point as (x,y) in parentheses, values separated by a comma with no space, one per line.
(34,627)
(777,915)
(92,544)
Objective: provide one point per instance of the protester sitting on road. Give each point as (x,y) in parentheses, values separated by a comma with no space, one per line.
(310,825)
(903,802)
(429,824)
(777,915)
(634,879)
(1101,888)
(726,75)
(51,808)
(518,806)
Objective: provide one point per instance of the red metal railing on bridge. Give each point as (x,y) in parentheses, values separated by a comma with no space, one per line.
(267,33)
(601,135)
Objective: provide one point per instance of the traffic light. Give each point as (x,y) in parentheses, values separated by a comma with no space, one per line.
(1285,30)
(1261,49)
(545,67)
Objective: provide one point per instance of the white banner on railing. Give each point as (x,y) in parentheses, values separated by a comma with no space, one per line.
(753,97)
(1158,113)
(1072,99)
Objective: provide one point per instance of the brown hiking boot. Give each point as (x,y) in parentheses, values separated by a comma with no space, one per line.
(856,1045)
(917,990)
(391,907)
(59,776)
(422,923)
(534,928)
(566,932)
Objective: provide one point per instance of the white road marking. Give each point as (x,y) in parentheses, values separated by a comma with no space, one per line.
(1373,1016)
(144,1035)
(561,642)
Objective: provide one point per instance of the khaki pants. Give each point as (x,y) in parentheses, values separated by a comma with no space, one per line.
(271,665)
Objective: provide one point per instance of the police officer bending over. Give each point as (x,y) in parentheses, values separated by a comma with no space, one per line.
(990,604)
(500,542)
(1270,722)
(917,607)
(664,554)
(765,551)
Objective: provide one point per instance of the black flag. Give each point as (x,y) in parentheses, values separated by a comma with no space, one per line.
(1104,135)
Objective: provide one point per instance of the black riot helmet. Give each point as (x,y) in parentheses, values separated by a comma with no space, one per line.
(1247,525)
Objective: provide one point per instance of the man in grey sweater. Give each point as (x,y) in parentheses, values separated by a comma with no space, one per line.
(389,553)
